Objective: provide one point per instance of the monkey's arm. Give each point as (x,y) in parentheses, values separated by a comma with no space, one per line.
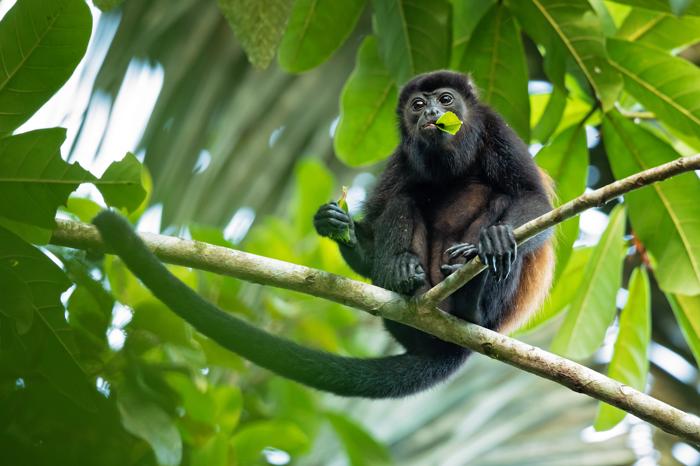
(354,239)
(526,206)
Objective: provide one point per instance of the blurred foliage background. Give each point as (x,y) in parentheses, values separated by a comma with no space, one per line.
(242,155)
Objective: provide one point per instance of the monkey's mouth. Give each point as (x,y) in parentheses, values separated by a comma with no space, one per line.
(429,125)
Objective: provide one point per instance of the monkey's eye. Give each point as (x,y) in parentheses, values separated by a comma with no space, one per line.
(446,98)
(418,104)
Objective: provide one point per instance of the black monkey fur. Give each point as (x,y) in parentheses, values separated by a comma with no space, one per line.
(441,200)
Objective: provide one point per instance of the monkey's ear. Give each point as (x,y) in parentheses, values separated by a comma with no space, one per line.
(472,86)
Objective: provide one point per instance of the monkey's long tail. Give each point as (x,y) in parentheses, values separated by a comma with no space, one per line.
(385,377)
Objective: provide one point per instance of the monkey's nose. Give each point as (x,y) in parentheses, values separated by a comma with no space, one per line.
(432,113)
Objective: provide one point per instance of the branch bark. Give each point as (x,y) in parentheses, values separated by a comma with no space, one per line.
(421,312)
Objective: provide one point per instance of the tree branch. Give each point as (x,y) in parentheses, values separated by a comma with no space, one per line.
(421,312)
(584,202)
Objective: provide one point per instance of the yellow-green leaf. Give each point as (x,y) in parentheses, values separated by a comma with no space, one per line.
(449,123)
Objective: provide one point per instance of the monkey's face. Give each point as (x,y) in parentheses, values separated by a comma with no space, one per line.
(424,108)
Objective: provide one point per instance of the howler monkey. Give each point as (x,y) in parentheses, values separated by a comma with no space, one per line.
(441,200)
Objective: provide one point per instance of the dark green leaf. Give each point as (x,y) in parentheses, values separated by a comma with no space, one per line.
(630,361)
(258,25)
(16,299)
(361,447)
(687,312)
(496,60)
(49,342)
(466,14)
(660,30)
(413,37)
(646,71)
(316,29)
(366,131)
(121,183)
(667,6)
(593,308)
(575,25)
(664,215)
(146,420)
(34,180)
(250,440)
(566,161)
(41,43)
(107,5)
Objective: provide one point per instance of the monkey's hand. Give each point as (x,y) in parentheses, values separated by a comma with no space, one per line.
(498,250)
(404,274)
(332,221)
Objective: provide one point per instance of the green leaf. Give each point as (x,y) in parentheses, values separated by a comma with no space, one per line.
(466,14)
(366,131)
(449,123)
(121,184)
(664,215)
(213,452)
(630,361)
(34,180)
(16,301)
(564,291)
(313,186)
(687,312)
(251,439)
(667,6)
(566,161)
(84,209)
(551,116)
(575,25)
(660,30)
(362,449)
(496,60)
(413,37)
(317,28)
(146,420)
(41,43)
(646,71)
(107,5)
(258,25)
(593,307)
(49,342)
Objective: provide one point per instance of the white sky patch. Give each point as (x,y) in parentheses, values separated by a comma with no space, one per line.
(539,87)
(592,137)
(672,363)
(621,298)
(356,196)
(276,456)
(535,148)
(593,223)
(239,225)
(275,135)
(116,338)
(590,435)
(150,221)
(130,113)
(203,161)
(333,127)
(5,6)
(686,454)
(121,315)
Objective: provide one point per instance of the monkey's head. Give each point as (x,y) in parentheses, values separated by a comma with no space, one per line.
(434,154)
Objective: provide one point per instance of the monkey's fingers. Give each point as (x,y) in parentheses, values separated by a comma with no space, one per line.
(467,250)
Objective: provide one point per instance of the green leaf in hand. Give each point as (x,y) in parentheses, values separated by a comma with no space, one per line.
(449,123)
(342,202)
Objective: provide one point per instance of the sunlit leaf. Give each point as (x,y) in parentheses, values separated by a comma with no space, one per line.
(121,183)
(687,312)
(317,28)
(248,443)
(449,123)
(660,30)
(593,307)
(258,25)
(41,43)
(667,6)
(366,132)
(49,342)
(565,160)
(564,291)
(213,452)
(362,449)
(646,71)
(413,37)
(496,60)
(313,187)
(551,116)
(664,215)
(576,26)
(145,419)
(630,361)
